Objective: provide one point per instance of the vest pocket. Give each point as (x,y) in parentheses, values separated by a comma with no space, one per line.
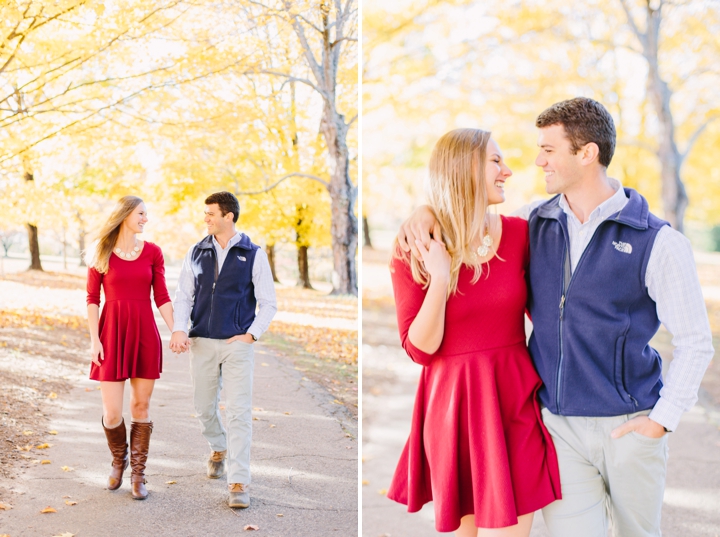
(619,371)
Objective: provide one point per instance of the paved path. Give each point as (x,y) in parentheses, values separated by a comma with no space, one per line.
(304,464)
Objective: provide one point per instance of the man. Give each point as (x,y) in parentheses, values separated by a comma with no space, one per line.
(223,279)
(604,273)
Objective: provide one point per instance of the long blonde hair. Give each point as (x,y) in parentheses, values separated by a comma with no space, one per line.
(458,197)
(109,232)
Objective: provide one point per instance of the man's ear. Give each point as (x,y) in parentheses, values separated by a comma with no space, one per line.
(590,153)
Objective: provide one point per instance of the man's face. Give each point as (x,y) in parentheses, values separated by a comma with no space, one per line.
(563,170)
(216,222)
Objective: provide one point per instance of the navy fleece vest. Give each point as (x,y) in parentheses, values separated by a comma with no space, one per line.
(226,307)
(592,352)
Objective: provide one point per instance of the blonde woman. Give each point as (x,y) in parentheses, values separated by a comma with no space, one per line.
(478,448)
(125,342)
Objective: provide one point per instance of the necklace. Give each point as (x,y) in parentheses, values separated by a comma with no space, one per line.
(484,247)
(130,255)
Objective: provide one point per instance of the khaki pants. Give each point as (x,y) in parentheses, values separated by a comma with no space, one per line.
(214,364)
(600,476)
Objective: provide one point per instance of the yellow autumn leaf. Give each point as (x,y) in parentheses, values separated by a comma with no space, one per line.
(5,507)
(70,502)
(66,469)
(264,364)
(27,433)
(365,482)
(49,510)
(52,395)
(45,461)
(272,426)
(382,492)
(171,482)
(279,514)
(43,446)
(52,432)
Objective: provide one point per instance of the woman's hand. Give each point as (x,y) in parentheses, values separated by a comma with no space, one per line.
(97,354)
(436,260)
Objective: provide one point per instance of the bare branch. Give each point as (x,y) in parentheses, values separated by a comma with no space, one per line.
(643,38)
(694,137)
(276,183)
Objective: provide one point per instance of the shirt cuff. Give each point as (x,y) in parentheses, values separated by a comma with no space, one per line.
(666,414)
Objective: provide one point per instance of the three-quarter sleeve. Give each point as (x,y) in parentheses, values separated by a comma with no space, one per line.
(160,292)
(409,297)
(94,280)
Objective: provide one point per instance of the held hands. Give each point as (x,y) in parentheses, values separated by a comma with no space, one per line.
(179,342)
(245,338)
(418,227)
(436,260)
(641,425)
(97,355)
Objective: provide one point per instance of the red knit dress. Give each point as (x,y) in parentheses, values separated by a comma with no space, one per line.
(128,333)
(477,443)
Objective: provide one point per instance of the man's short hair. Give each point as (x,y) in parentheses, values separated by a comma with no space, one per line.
(227,202)
(585,121)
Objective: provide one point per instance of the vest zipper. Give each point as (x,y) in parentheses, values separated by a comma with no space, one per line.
(212,293)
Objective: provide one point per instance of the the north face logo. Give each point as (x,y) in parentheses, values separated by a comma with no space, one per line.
(624,247)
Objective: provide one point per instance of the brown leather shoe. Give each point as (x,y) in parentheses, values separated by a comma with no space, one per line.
(216,464)
(239,496)
(117,442)
(139,446)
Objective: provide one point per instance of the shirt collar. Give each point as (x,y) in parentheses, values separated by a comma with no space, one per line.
(608,207)
(232,242)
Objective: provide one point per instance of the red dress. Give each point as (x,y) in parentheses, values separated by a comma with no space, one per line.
(128,333)
(477,443)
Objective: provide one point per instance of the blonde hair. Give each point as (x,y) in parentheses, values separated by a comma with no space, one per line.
(458,197)
(109,232)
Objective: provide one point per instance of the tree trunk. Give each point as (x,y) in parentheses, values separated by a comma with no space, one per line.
(81,245)
(303,268)
(270,250)
(674,196)
(366,233)
(33,235)
(344,224)
(34,248)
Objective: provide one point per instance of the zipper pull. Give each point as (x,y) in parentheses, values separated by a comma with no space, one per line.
(562,305)
(213,289)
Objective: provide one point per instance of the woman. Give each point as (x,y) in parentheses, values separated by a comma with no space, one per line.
(478,448)
(125,342)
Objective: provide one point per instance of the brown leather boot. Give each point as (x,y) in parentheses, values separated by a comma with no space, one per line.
(139,446)
(117,442)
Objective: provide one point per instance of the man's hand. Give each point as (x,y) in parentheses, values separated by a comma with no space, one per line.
(179,342)
(641,425)
(245,338)
(421,223)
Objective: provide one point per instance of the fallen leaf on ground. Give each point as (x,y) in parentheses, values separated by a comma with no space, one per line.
(288,413)
(264,364)
(171,482)
(52,395)
(382,492)
(5,507)
(337,402)
(52,432)
(67,496)
(256,419)
(88,389)
(70,502)
(365,482)
(49,510)
(222,407)
(66,469)
(272,426)
(46,461)
(279,514)
(66,534)
(257,408)
(251,527)
(27,433)
(43,446)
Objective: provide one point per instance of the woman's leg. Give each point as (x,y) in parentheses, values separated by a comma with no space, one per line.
(521,529)
(140,431)
(112,400)
(140,399)
(467,527)
(115,432)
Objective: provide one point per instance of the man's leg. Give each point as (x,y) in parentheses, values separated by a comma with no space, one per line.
(582,511)
(205,372)
(635,471)
(237,367)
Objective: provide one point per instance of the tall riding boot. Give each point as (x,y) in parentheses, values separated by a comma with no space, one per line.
(139,445)
(117,442)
